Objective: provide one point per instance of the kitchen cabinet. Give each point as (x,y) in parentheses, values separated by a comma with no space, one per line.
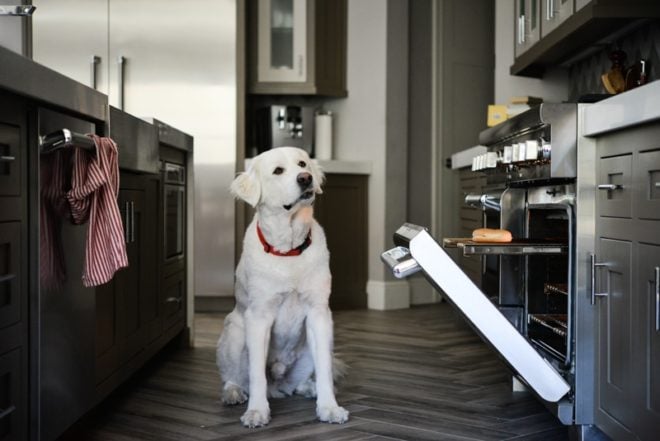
(13,269)
(128,308)
(346,237)
(550,32)
(527,25)
(553,13)
(297,47)
(627,285)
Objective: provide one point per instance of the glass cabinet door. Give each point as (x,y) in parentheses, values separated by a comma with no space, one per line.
(527,24)
(282,41)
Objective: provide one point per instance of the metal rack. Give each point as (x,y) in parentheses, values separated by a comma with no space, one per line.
(66,138)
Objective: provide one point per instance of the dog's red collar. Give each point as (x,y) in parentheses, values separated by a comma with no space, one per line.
(294,252)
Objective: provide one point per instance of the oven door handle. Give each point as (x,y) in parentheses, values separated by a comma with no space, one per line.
(594,268)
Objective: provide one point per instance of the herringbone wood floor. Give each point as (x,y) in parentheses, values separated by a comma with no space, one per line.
(414,374)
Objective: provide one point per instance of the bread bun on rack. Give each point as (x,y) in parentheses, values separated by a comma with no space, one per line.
(491,235)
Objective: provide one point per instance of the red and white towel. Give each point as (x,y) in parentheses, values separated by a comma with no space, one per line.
(90,184)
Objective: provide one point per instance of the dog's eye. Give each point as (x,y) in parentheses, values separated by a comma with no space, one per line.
(302,164)
(278,171)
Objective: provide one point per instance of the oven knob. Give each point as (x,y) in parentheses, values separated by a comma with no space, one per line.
(546,151)
(531,150)
(507,157)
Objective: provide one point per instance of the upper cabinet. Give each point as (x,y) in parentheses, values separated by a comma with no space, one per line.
(553,32)
(297,47)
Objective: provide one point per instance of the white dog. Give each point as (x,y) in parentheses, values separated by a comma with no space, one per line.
(278,339)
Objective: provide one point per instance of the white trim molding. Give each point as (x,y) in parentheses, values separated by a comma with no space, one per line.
(384,295)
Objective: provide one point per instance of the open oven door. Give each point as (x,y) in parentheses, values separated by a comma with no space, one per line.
(418,250)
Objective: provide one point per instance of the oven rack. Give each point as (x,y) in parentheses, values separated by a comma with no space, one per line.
(555,288)
(517,247)
(557,323)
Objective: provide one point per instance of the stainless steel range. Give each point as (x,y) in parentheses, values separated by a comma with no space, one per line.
(527,308)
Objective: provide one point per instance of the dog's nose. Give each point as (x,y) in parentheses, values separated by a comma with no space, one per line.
(304,180)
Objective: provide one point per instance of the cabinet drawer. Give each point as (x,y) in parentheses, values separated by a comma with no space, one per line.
(614,187)
(12,393)
(648,176)
(173,298)
(10,273)
(10,160)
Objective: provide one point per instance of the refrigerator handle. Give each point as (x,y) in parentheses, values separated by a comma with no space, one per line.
(121,63)
(93,65)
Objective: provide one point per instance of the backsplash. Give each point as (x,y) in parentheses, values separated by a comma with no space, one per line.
(643,43)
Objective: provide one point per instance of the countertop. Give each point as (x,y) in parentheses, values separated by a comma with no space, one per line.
(637,106)
(25,77)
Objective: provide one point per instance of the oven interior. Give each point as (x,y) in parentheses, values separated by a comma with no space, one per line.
(548,284)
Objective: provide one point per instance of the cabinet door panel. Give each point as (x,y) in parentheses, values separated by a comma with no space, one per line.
(614,330)
(173,298)
(647,175)
(10,160)
(10,273)
(615,171)
(649,337)
(12,392)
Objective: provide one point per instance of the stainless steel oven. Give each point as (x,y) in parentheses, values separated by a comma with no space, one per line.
(174,206)
(531,318)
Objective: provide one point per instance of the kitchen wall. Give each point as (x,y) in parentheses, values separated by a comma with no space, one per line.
(371,125)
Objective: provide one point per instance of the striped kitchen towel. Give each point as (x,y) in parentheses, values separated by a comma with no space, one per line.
(93,197)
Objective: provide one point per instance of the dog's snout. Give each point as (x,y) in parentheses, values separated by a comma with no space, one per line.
(304,180)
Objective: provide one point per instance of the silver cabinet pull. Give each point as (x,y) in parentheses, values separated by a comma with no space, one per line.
(657,185)
(594,267)
(132,222)
(176,300)
(18,10)
(610,187)
(92,70)
(13,158)
(657,298)
(301,60)
(126,222)
(121,62)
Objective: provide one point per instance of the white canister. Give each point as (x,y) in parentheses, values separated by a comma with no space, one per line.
(323,135)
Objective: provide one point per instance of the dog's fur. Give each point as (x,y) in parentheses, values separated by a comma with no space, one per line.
(279,338)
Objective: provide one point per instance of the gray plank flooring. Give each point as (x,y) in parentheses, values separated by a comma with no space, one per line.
(416,374)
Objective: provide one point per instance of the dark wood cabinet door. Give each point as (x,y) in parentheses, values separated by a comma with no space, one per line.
(13,396)
(346,235)
(173,299)
(149,233)
(10,273)
(10,154)
(615,338)
(647,305)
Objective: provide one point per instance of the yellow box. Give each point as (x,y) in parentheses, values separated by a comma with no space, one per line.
(496,114)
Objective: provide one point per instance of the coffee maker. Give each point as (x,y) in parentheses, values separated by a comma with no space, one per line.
(285,125)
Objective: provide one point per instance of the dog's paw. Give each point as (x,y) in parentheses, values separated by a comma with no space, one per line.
(332,414)
(275,392)
(255,418)
(233,394)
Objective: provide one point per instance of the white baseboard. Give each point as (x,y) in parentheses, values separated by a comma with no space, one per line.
(421,291)
(388,295)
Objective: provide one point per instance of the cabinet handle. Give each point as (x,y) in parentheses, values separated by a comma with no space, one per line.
(521,29)
(301,60)
(173,300)
(657,298)
(548,8)
(13,158)
(7,277)
(132,222)
(126,223)
(121,62)
(610,187)
(657,185)
(8,411)
(93,65)
(594,267)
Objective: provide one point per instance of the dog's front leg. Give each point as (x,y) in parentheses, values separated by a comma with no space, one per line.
(319,335)
(258,324)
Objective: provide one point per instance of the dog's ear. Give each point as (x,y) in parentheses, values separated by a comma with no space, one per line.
(318,177)
(246,186)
